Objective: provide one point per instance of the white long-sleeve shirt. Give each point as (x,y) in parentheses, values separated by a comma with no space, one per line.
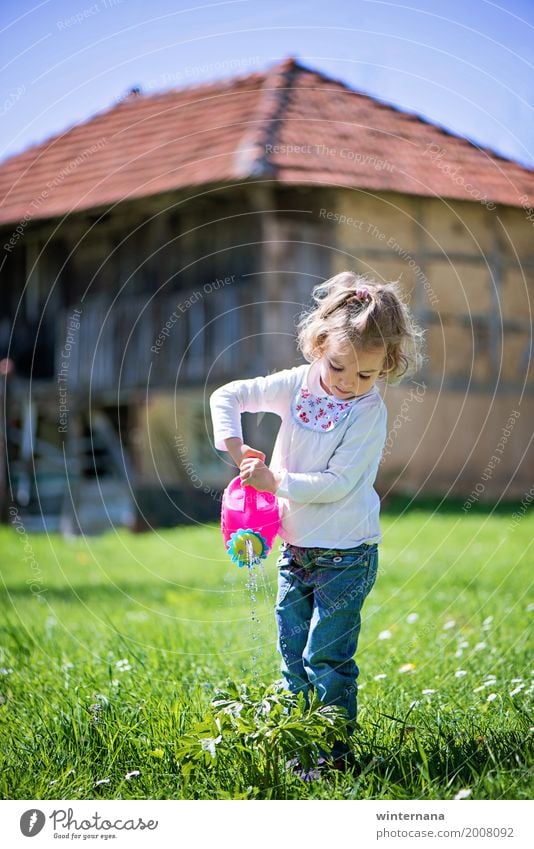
(326,493)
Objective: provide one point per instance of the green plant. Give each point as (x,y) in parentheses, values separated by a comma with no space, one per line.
(263,727)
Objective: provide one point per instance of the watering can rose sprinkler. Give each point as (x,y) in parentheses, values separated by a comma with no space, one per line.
(250,521)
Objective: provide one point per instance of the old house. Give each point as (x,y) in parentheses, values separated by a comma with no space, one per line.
(168,244)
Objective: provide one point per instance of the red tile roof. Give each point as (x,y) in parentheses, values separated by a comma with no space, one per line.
(289,124)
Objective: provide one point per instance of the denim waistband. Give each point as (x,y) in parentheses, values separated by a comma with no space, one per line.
(303,555)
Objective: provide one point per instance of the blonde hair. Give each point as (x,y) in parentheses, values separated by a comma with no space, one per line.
(353,310)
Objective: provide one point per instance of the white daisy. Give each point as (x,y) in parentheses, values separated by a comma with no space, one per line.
(463,794)
(483,686)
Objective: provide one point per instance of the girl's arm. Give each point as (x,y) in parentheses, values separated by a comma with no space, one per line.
(269,394)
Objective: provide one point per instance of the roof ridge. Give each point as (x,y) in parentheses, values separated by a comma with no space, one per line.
(283,77)
(251,157)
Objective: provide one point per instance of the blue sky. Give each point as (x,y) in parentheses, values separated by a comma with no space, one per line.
(467,66)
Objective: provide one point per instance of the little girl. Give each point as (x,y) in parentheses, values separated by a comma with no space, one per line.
(324,464)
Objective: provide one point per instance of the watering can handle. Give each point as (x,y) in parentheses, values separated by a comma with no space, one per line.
(250,497)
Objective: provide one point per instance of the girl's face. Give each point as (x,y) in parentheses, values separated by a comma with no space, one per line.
(348,372)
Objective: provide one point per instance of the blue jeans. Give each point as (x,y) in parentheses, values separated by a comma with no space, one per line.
(320,596)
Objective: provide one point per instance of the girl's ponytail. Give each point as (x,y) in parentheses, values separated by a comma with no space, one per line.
(331,299)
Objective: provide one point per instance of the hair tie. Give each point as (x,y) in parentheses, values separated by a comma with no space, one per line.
(362,293)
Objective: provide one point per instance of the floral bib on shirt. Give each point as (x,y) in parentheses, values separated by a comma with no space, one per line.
(319,412)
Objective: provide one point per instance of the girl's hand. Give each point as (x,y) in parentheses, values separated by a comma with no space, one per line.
(255,473)
(247,451)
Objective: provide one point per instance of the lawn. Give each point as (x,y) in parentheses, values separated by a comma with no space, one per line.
(113,647)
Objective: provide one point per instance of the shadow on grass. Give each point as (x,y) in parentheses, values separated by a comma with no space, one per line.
(398,505)
(154,592)
(448,761)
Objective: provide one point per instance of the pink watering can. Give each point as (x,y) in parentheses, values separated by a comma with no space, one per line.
(250,521)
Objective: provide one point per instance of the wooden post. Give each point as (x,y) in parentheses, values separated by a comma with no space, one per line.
(3,449)
(32,280)
(69,524)
(276,340)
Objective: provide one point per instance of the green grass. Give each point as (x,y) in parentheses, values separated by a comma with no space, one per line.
(174,607)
